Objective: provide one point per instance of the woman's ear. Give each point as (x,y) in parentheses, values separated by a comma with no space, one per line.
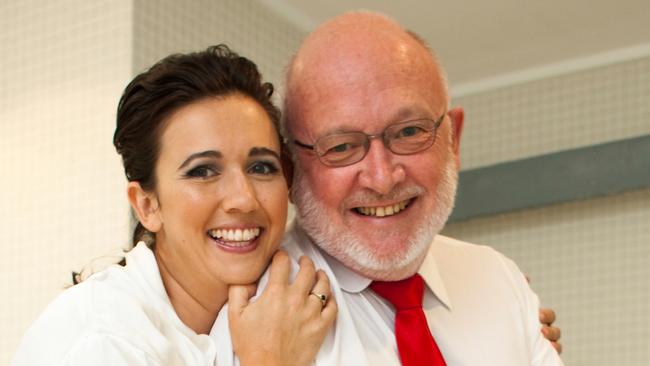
(145,204)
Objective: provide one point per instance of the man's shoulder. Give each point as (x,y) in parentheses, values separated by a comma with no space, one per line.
(448,245)
(480,280)
(452,254)
(472,271)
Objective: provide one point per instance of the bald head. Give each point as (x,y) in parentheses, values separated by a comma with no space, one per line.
(363,72)
(357,48)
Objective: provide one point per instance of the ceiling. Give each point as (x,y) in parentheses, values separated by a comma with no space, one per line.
(477,40)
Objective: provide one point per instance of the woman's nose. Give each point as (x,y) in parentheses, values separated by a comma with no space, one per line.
(238,193)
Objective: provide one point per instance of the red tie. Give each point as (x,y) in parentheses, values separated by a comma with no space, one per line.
(414,340)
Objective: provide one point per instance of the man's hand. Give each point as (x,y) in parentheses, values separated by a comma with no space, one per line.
(553,334)
(547,318)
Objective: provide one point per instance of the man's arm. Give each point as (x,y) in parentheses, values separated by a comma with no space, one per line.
(547,318)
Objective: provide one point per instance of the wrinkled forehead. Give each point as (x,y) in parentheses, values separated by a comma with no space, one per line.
(365,82)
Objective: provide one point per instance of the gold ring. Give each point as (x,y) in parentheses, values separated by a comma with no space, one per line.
(321,297)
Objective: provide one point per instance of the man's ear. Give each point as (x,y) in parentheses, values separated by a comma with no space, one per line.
(457,116)
(145,204)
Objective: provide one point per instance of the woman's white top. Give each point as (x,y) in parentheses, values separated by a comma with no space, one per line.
(123,316)
(119,316)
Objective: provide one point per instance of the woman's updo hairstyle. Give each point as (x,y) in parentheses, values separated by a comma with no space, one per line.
(170,84)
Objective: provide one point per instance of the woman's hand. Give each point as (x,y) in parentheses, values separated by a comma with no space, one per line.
(287,324)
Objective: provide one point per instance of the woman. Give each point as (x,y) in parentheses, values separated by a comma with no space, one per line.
(198,135)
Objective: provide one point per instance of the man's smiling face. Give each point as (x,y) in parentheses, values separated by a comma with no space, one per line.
(379,215)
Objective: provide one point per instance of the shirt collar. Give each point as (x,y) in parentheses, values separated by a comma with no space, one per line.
(349,280)
(429,270)
(353,282)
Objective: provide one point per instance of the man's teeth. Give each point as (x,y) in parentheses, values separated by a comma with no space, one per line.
(235,234)
(383,211)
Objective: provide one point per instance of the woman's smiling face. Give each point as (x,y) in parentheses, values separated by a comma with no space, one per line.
(220,192)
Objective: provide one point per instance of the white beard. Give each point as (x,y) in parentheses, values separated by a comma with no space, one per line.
(354,251)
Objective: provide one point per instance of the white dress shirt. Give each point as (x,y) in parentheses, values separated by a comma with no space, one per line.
(119,316)
(478,305)
(479,308)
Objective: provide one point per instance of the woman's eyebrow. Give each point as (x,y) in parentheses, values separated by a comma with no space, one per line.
(259,151)
(203,154)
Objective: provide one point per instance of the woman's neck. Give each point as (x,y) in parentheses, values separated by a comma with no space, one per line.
(196,303)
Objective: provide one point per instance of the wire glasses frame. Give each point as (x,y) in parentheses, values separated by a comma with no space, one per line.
(402,138)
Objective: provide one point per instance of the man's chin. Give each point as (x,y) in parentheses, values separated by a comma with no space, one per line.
(387,263)
(376,252)
(387,271)
(368,252)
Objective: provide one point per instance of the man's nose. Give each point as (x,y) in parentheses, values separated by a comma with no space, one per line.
(238,193)
(379,171)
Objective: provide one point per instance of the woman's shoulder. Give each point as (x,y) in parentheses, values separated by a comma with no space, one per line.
(109,305)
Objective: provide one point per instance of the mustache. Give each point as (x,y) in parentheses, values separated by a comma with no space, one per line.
(369,198)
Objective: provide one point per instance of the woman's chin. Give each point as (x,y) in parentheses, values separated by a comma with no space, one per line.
(244,276)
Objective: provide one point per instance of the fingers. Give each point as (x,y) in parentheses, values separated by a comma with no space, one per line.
(553,334)
(238,297)
(328,314)
(546,316)
(307,281)
(280,268)
(557,346)
(321,287)
(306,276)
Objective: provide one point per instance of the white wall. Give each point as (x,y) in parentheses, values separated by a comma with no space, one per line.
(62,68)
(590,260)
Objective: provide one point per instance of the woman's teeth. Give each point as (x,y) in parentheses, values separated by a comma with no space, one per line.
(383,211)
(235,234)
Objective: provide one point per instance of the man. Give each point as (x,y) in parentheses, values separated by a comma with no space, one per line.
(376,153)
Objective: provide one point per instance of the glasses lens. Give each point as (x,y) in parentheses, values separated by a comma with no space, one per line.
(341,149)
(411,137)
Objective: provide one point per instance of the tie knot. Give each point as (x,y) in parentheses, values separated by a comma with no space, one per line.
(404,294)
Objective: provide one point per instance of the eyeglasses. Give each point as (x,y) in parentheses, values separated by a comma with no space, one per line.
(347,148)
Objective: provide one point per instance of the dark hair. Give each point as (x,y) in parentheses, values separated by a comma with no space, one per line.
(174,82)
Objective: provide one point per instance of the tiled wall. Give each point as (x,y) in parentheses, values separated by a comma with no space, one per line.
(166,26)
(557,113)
(590,260)
(62,68)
